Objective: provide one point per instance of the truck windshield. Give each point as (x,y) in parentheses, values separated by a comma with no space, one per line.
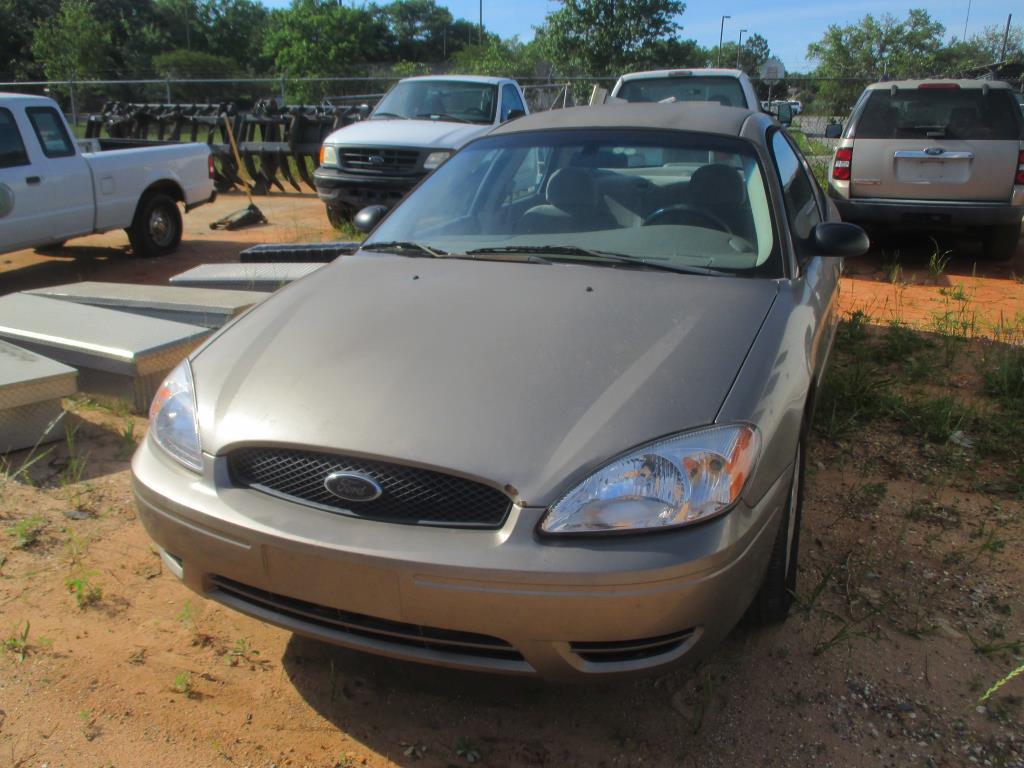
(948,113)
(669,199)
(451,100)
(724,90)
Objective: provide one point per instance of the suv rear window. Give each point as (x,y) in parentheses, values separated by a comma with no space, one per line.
(939,113)
(724,90)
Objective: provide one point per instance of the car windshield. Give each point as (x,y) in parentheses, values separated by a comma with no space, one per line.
(669,199)
(951,113)
(724,90)
(449,100)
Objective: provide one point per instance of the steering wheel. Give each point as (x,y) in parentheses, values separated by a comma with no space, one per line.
(684,211)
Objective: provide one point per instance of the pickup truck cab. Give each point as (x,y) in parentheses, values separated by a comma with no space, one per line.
(50,191)
(728,87)
(418,124)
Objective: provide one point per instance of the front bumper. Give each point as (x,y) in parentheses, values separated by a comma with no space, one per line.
(495,600)
(338,188)
(927,214)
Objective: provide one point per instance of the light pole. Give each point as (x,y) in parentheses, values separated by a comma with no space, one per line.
(721,31)
(481,22)
(739,46)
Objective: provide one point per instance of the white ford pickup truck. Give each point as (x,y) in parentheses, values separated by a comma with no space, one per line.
(50,191)
(418,124)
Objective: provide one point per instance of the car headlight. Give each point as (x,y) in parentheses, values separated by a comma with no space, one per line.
(676,481)
(435,159)
(172,417)
(328,155)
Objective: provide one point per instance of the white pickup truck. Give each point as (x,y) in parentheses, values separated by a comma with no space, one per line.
(418,124)
(50,191)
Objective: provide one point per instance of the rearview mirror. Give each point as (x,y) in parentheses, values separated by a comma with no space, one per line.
(833,130)
(369,217)
(785,113)
(839,238)
(515,114)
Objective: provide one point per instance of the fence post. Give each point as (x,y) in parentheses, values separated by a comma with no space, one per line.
(283,102)
(74,104)
(167,89)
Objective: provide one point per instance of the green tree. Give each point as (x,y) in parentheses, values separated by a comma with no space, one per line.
(608,36)
(496,57)
(234,29)
(18,20)
(422,30)
(874,49)
(74,44)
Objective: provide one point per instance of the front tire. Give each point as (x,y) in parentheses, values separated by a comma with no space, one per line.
(1000,242)
(772,602)
(156,229)
(340,216)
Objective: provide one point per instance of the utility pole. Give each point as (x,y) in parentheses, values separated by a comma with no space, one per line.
(1006,36)
(481,22)
(721,31)
(967,18)
(739,47)
(188,34)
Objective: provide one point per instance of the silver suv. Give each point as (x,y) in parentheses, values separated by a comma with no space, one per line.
(934,155)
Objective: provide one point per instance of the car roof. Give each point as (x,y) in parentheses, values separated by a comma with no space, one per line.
(678,72)
(462,78)
(914,84)
(697,116)
(24,98)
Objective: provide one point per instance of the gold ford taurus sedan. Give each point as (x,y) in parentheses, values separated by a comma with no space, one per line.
(549,419)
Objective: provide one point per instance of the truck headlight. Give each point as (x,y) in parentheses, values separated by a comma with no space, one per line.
(684,479)
(328,155)
(436,159)
(172,418)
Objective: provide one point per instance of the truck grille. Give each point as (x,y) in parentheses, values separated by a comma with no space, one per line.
(408,494)
(359,626)
(382,161)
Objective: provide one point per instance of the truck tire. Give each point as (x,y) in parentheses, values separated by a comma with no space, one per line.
(772,601)
(340,216)
(49,248)
(1000,242)
(156,229)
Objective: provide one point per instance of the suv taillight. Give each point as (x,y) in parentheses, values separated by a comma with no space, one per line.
(209,166)
(1019,178)
(842,164)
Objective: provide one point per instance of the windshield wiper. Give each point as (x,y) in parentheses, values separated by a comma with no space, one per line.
(443,116)
(405,245)
(390,114)
(608,256)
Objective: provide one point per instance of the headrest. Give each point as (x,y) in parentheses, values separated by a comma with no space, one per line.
(570,187)
(717,185)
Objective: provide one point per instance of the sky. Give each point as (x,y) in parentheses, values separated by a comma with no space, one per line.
(788,25)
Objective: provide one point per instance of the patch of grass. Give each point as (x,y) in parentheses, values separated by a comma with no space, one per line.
(8,473)
(17,643)
(468,750)
(127,441)
(241,651)
(932,513)
(868,497)
(852,394)
(26,532)
(183,684)
(938,260)
(70,477)
(955,292)
(933,418)
(85,591)
(1002,374)
(991,543)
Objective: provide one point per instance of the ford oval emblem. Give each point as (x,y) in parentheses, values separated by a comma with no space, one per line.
(934,151)
(376,160)
(352,486)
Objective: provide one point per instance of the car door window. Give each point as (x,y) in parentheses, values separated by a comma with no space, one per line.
(49,128)
(12,148)
(797,187)
(510,100)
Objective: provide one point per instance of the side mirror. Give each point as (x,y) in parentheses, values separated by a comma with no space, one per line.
(785,113)
(833,130)
(839,238)
(369,217)
(363,111)
(515,114)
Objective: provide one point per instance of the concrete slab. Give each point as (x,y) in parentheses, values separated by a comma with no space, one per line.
(207,307)
(31,388)
(245,277)
(117,355)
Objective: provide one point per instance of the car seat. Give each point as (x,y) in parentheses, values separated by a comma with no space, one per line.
(571,204)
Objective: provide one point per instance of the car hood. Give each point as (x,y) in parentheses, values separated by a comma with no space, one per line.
(521,375)
(427,134)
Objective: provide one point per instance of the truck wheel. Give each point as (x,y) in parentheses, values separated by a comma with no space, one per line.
(772,601)
(1000,243)
(340,216)
(54,247)
(156,229)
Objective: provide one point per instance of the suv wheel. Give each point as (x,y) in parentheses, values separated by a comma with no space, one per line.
(1000,243)
(772,601)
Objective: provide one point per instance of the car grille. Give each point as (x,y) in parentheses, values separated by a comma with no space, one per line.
(630,650)
(400,161)
(366,627)
(409,495)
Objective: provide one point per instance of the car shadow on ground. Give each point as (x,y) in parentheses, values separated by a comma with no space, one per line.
(929,257)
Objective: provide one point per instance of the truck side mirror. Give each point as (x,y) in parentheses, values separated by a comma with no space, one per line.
(515,114)
(363,111)
(785,113)
(833,130)
(369,217)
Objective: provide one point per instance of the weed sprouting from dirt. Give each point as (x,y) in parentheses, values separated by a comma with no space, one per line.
(70,478)
(86,592)
(468,750)
(17,642)
(127,441)
(26,532)
(938,260)
(1000,683)
(183,684)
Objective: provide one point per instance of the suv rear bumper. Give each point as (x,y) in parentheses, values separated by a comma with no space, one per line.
(931,214)
(337,188)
